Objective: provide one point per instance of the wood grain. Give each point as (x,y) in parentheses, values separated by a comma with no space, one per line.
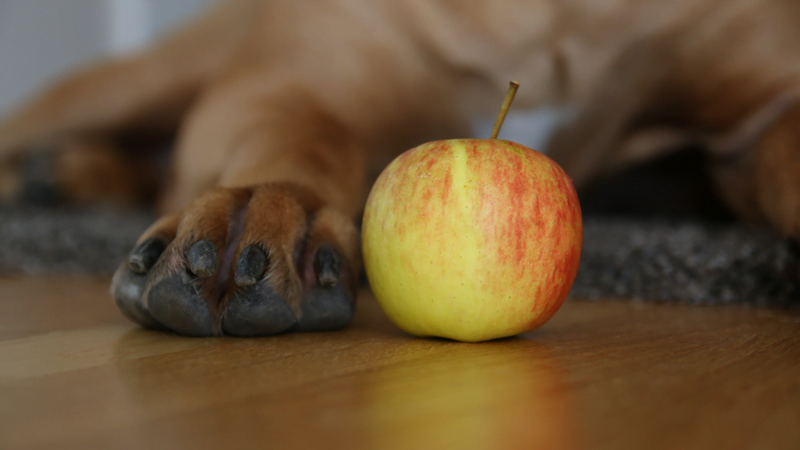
(75,374)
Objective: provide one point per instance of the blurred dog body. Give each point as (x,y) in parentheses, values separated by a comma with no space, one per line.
(285,108)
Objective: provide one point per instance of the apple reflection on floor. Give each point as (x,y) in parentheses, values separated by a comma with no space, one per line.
(469,396)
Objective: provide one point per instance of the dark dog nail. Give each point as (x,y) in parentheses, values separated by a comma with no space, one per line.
(145,255)
(328,265)
(251,266)
(202,258)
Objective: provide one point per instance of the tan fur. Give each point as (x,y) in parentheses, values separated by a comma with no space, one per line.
(321,95)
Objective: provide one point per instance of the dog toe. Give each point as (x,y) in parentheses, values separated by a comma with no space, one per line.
(326,309)
(144,256)
(180,304)
(129,284)
(257,310)
(328,303)
(128,289)
(327,265)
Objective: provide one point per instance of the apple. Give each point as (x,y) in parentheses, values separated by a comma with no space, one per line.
(472,239)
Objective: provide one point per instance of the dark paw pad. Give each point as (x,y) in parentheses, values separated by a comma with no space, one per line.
(178,303)
(327,305)
(257,310)
(128,288)
(326,309)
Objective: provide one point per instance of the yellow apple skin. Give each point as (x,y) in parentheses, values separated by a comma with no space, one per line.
(471,239)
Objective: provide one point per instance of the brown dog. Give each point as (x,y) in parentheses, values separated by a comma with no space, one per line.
(284,110)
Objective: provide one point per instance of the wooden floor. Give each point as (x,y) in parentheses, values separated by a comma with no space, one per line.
(75,374)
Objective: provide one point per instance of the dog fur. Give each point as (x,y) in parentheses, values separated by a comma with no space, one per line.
(283,111)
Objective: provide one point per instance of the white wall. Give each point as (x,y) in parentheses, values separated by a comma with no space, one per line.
(41,39)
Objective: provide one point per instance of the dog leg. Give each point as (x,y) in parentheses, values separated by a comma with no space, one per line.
(716,92)
(613,128)
(273,248)
(760,180)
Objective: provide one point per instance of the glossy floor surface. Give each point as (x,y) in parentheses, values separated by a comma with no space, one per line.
(75,374)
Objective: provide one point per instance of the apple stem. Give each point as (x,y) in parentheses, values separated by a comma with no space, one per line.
(512,91)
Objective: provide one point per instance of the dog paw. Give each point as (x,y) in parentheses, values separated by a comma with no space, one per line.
(243,262)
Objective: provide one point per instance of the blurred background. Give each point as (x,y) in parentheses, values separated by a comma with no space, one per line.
(630,249)
(41,39)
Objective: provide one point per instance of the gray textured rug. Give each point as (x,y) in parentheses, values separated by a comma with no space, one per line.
(688,262)
(45,241)
(650,260)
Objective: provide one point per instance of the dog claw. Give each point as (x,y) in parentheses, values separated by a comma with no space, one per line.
(145,255)
(328,266)
(251,266)
(202,258)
